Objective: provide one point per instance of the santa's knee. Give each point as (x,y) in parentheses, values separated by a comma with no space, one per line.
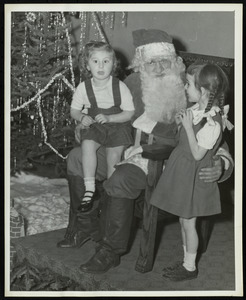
(127,181)
(74,162)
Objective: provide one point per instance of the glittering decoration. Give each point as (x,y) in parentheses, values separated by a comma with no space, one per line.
(24,52)
(99,27)
(83,37)
(83,25)
(38,98)
(31,17)
(44,132)
(124,19)
(112,20)
(69,49)
(43,90)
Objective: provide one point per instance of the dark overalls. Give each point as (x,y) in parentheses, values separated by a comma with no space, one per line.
(108,134)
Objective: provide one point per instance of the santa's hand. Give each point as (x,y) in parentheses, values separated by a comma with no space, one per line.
(212,174)
(102,118)
(144,123)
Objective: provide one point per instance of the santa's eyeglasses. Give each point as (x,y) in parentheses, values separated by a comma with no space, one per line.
(165,63)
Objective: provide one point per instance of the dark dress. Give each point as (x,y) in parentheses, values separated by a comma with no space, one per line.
(179,190)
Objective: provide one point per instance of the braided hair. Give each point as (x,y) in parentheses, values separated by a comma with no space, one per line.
(212,78)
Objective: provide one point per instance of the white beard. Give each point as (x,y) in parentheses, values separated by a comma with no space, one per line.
(163,96)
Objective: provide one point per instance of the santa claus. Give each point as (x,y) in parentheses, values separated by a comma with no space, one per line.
(157,88)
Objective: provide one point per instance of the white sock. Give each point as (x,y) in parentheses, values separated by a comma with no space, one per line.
(89,184)
(89,187)
(190,261)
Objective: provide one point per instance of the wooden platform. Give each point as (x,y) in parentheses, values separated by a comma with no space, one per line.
(216,266)
(41,251)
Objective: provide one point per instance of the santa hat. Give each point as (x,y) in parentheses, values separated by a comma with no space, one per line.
(153,42)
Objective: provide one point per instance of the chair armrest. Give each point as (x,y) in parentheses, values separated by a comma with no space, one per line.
(157,152)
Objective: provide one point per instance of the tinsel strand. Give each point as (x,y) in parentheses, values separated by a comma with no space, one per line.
(99,27)
(69,49)
(44,130)
(124,19)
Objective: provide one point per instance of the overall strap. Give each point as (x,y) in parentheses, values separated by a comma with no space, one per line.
(90,93)
(116,91)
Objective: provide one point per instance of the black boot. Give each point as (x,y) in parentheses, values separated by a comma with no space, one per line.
(117,232)
(68,241)
(101,262)
(75,237)
(118,223)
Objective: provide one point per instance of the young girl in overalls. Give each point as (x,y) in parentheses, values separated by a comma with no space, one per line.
(104,106)
(179,190)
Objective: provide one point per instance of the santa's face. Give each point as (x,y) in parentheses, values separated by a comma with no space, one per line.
(163,91)
(157,66)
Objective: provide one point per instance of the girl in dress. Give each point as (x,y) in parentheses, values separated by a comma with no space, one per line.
(179,190)
(104,106)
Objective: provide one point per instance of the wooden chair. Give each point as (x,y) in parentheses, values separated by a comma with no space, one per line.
(157,155)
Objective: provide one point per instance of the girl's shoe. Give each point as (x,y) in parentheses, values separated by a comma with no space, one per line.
(86,202)
(167,270)
(180,274)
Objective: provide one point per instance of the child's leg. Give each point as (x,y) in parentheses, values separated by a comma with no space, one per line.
(181,221)
(113,157)
(186,270)
(89,164)
(191,236)
(89,157)
(172,267)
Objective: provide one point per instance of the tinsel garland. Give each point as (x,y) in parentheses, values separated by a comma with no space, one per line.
(38,97)
(43,90)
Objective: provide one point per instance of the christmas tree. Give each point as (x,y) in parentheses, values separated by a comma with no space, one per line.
(39,51)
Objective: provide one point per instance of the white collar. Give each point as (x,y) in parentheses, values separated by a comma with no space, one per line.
(200,114)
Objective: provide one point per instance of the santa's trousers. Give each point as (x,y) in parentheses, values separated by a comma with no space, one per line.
(111,222)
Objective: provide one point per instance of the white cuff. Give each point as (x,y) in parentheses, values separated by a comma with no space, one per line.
(144,123)
(132,151)
(226,161)
(226,156)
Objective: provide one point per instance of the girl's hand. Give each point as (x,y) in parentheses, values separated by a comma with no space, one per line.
(87,121)
(102,118)
(177,118)
(186,118)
